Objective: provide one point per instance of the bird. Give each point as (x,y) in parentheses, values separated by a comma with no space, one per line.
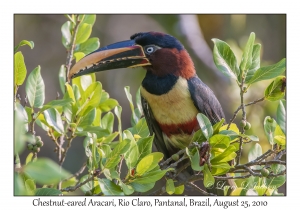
(172,94)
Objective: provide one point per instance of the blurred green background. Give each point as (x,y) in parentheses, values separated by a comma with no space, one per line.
(194,31)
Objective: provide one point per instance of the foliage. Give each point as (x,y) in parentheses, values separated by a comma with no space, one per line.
(85,110)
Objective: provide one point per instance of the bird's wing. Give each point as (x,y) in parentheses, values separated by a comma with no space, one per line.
(154,129)
(205,100)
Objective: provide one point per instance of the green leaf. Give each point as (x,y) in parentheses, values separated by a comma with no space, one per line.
(91,98)
(148,163)
(47,192)
(30,186)
(78,56)
(170,188)
(104,96)
(281,115)
(208,180)
(40,121)
(97,120)
(88,46)
(141,128)
(66,34)
(70,182)
(275,182)
(277,168)
(134,119)
(253,138)
(269,127)
(86,145)
(118,111)
(35,88)
(100,132)
(62,78)
(89,185)
(276,90)
(231,134)
(179,190)
(45,171)
(219,141)
(29,158)
(19,186)
(88,119)
(53,118)
(90,19)
(151,176)
(279,136)
(108,105)
(107,121)
(232,127)
(20,122)
(84,32)
(218,125)
(225,59)
(144,146)
(254,153)
(127,189)
(227,155)
(109,188)
(109,138)
(19,68)
(29,113)
(56,104)
(69,92)
(239,191)
(84,81)
(139,102)
(205,125)
(114,157)
(24,42)
(195,160)
(268,72)
(142,187)
(246,61)
(220,168)
(255,62)
(131,156)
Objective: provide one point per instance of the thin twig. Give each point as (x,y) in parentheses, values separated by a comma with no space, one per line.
(71,50)
(239,108)
(167,161)
(61,154)
(256,101)
(72,189)
(178,161)
(199,189)
(119,168)
(80,171)
(65,152)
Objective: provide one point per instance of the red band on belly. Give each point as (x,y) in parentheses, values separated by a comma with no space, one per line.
(183,128)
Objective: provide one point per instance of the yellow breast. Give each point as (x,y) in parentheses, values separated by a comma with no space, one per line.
(174,107)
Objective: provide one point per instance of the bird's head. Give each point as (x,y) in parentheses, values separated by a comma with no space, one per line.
(159,53)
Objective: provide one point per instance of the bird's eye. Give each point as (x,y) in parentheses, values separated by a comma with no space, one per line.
(149,50)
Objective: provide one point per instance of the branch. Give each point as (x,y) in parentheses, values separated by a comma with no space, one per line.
(62,155)
(70,52)
(77,173)
(240,107)
(199,189)
(72,189)
(66,150)
(167,161)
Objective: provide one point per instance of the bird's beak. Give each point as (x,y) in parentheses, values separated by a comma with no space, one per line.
(124,54)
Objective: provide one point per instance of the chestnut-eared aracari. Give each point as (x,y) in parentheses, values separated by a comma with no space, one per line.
(172,94)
